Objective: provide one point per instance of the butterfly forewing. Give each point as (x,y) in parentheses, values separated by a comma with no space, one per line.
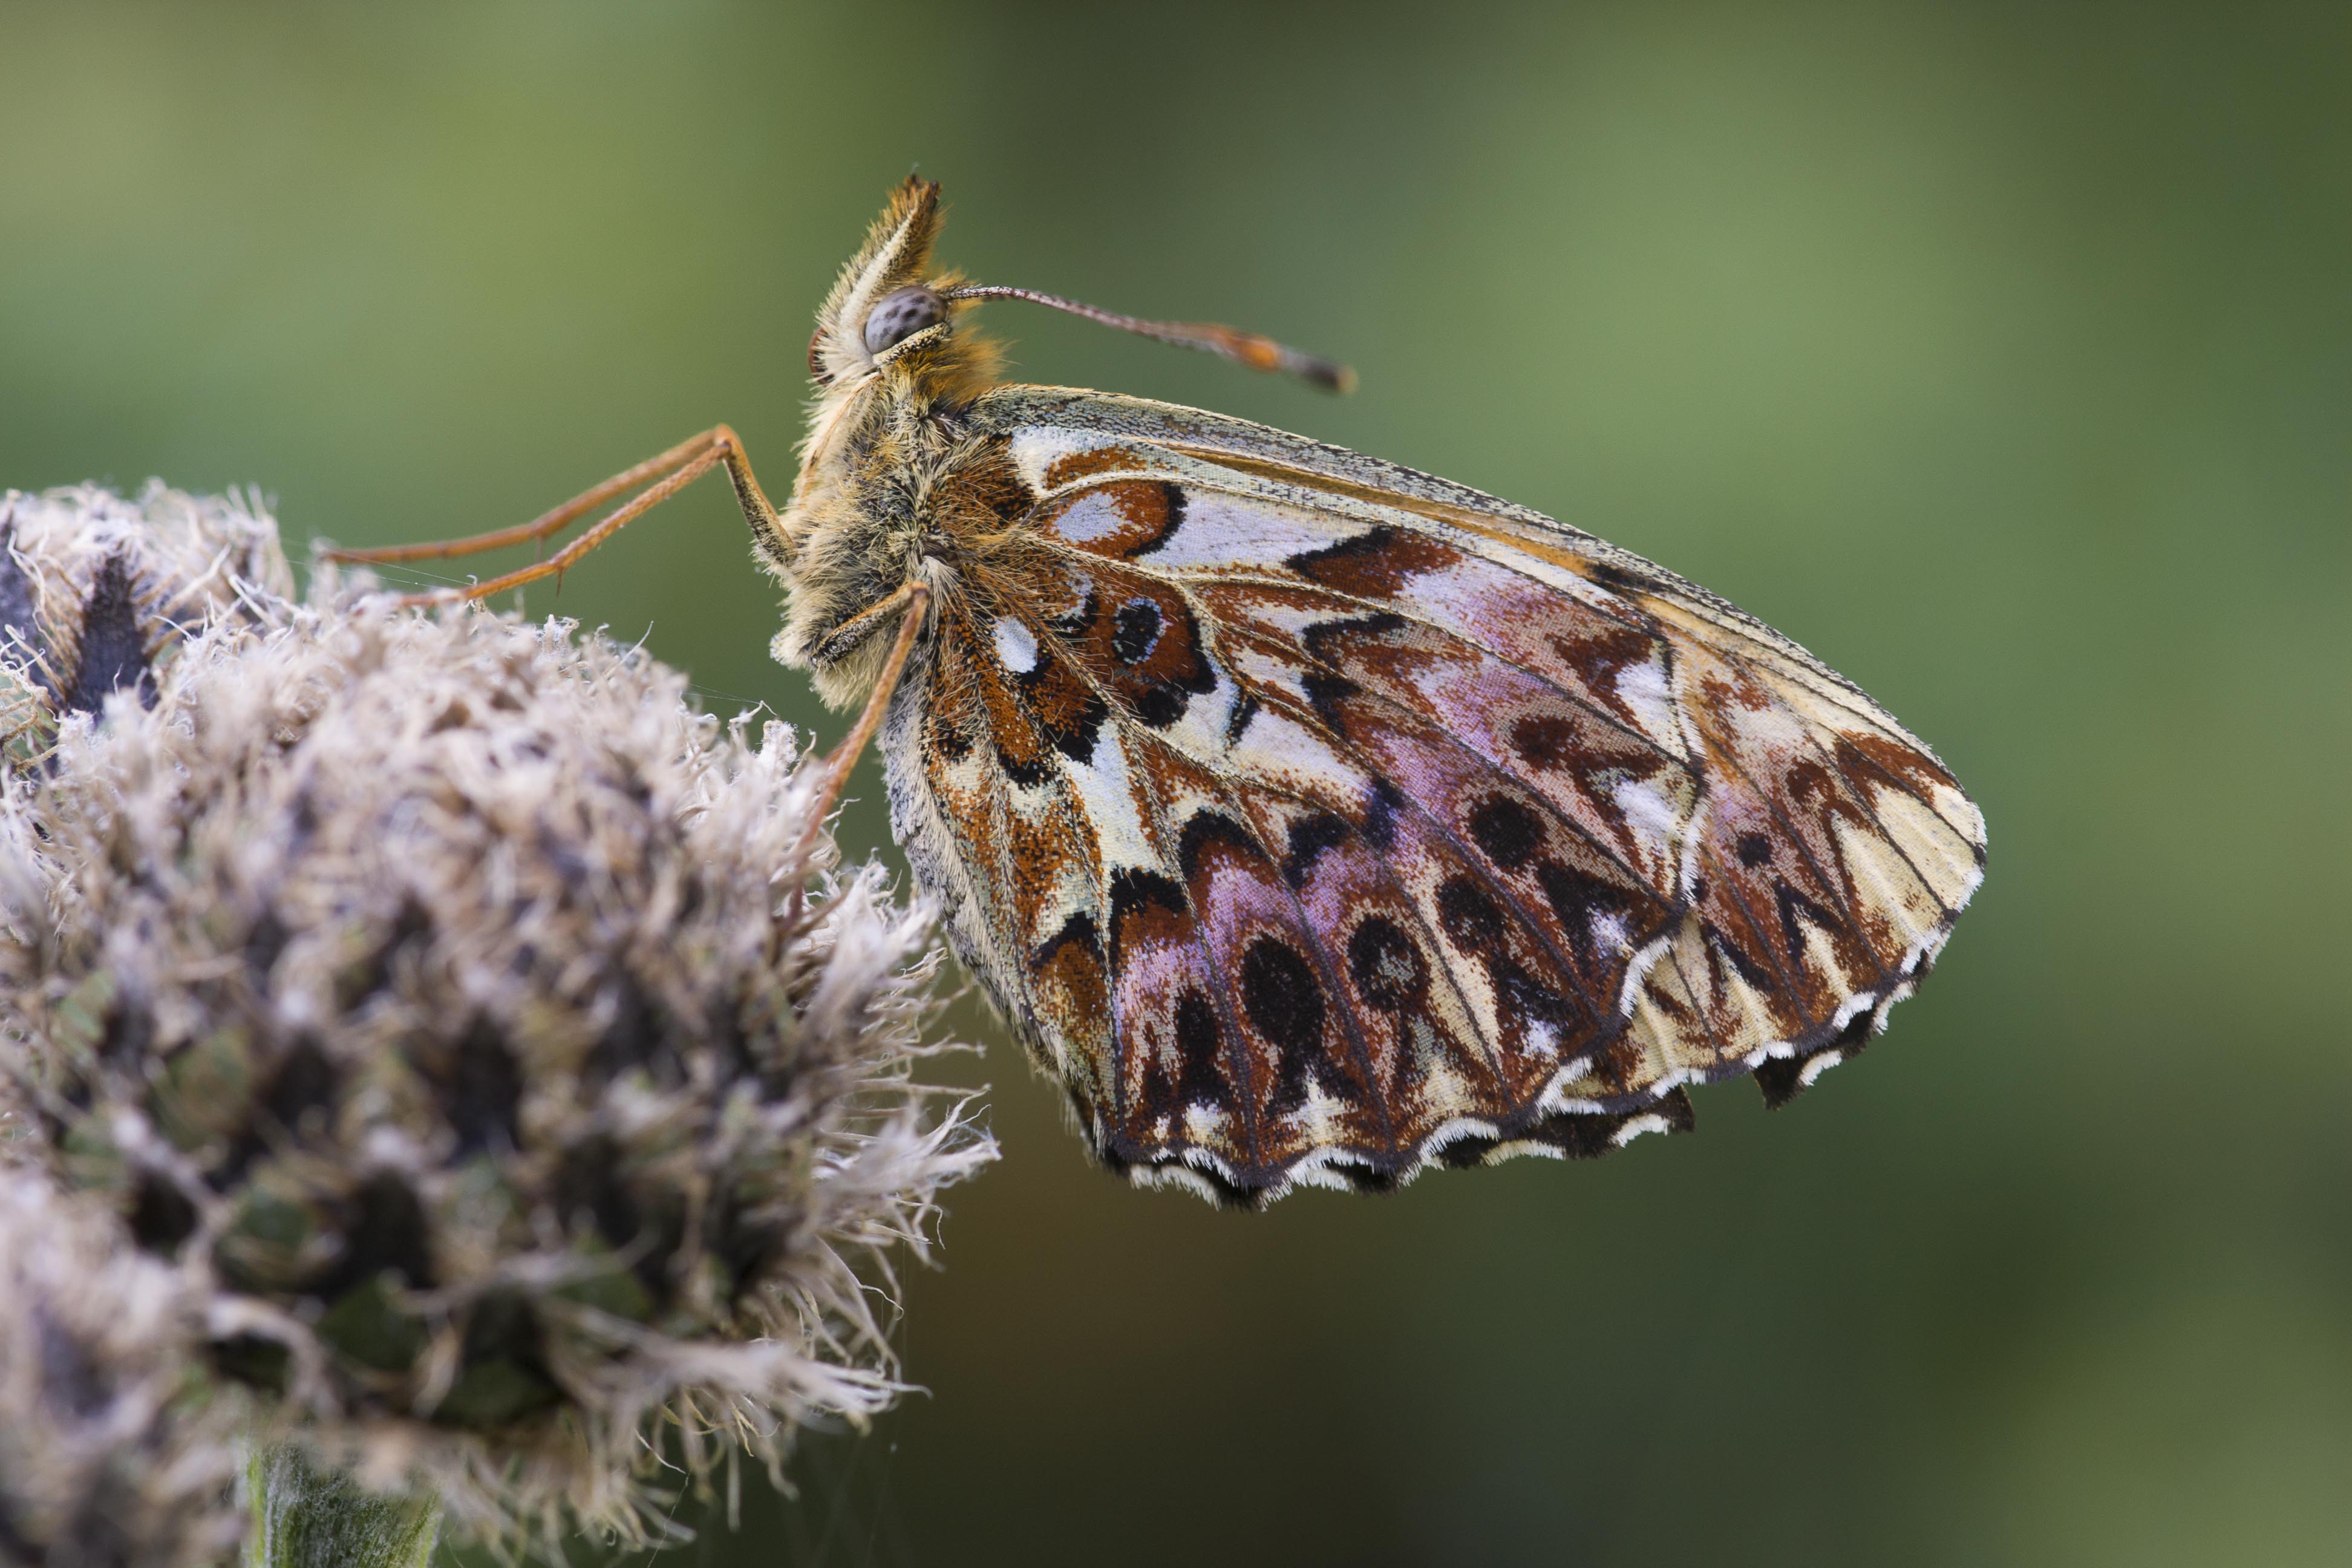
(1316,820)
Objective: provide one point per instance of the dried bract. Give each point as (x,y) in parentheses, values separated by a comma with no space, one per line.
(97,591)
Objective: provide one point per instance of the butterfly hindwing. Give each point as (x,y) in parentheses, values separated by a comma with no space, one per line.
(1315,820)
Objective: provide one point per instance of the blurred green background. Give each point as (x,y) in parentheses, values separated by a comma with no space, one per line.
(2000,353)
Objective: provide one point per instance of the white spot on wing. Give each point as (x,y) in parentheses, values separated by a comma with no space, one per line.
(1611,932)
(1637,972)
(1641,688)
(1016,645)
(1201,730)
(1278,748)
(1108,793)
(1204,1122)
(1320,1116)
(1089,518)
(1542,1039)
(1656,820)
(1226,533)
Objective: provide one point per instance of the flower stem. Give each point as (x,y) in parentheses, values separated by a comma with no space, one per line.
(305,1517)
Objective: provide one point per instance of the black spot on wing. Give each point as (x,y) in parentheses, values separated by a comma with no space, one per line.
(1578,902)
(1075,621)
(1387,966)
(1582,1135)
(1156,661)
(949,741)
(1763,981)
(1472,919)
(1621,579)
(1134,630)
(1782,1079)
(1546,740)
(1325,693)
(1074,732)
(1506,831)
(1284,1002)
(1160,706)
(1576,1134)
(1315,564)
(1754,849)
(1199,1046)
(1319,639)
(1028,773)
(1308,839)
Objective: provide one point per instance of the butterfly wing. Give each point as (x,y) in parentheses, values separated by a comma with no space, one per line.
(1315,820)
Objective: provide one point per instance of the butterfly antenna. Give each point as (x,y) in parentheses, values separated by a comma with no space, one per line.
(1241,348)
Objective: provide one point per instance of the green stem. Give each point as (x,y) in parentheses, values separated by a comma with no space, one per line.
(304,1517)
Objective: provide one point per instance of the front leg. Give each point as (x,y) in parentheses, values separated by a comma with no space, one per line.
(662,477)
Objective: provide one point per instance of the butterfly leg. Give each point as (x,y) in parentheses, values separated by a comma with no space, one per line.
(662,477)
(912,600)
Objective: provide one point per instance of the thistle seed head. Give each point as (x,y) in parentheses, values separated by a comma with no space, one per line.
(488,1036)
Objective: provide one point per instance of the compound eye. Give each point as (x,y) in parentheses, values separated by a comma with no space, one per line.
(901,315)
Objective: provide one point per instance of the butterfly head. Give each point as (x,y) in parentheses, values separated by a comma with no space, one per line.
(889,312)
(890,316)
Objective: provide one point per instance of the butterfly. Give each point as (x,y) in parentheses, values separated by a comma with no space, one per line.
(1314,821)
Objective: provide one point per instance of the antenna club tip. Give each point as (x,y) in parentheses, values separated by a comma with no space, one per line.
(1329,374)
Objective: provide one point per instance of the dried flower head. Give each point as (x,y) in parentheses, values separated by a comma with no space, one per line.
(109,1458)
(96,593)
(442,996)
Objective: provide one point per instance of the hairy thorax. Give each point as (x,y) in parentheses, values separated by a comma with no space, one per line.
(875,506)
